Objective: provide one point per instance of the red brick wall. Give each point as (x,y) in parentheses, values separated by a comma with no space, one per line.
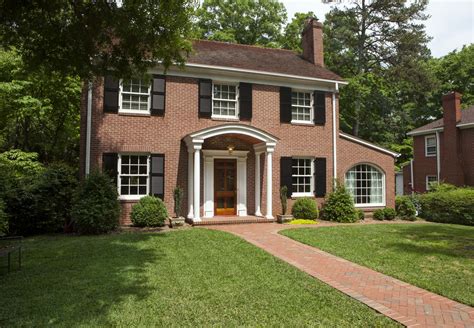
(422,165)
(467,157)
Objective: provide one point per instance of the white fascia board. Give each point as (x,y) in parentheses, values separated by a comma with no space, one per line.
(368,144)
(420,133)
(465,125)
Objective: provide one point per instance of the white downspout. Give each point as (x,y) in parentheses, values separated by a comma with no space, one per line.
(334,135)
(438,158)
(411,177)
(88,128)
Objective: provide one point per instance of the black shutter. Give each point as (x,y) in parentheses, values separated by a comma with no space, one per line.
(285,105)
(245,95)
(320,177)
(109,165)
(285,174)
(158,89)
(319,107)
(111,94)
(205,98)
(157,175)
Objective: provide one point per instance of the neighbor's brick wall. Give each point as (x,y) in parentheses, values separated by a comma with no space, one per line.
(467,157)
(422,165)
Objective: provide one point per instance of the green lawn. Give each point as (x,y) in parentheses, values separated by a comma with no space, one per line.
(437,257)
(193,277)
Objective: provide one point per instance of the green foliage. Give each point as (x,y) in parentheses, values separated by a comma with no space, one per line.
(3,220)
(178,200)
(379,214)
(442,187)
(360,214)
(305,208)
(339,206)
(150,211)
(389,213)
(284,199)
(302,221)
(20,165)
(449,206)
(405,208)
(96,208)
(291,38)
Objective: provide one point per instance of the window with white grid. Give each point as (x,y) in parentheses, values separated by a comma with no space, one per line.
(135,96)
(133,175)
(366,184)
(302,176)
(224,101)
(301,107)
(430,181)
(430,146)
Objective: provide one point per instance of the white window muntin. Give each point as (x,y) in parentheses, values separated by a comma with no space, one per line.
(302,106)
(134,96)
(430,180)
(133,175)
(225,100)
(302,173)
(363,179)
(430,146)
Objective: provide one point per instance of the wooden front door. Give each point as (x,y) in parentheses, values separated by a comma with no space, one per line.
(225,186)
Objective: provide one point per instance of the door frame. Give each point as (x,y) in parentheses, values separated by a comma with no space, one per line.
(208,181)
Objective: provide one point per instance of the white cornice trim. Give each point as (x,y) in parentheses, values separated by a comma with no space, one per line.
(465,125)
(422,132)
(368,144)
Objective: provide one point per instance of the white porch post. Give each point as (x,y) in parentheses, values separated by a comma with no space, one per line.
(190,182)
(197,183)
(258,211)
(269,153)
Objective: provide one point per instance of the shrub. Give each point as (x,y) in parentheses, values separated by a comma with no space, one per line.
(178,200)
(3,220)
(453,206)
(389,213)
(360,214)
(339,206)
(305,209)
(405,208)
(379,214)
(150,211)
(96,208)
(284,199)
(441,187)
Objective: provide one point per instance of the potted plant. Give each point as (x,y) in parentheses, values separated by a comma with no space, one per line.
(283,217)
(178,219)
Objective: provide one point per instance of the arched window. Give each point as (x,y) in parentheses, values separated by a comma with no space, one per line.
(367,185)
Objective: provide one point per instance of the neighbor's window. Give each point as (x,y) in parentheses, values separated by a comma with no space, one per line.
(301,107)
(366,185)
(302,176)
(224,100)
(133,175)
(135,96)
(430,181)
(430,146)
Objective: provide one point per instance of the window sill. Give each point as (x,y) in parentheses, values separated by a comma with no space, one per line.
(224,118)
(430,155)
(135,113)
(131,198)
(370,205)
(301,195)
(302,123)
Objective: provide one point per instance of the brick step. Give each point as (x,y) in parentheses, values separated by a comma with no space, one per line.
(232,221)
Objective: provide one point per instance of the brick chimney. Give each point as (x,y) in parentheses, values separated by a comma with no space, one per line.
(451,169)
(312,41)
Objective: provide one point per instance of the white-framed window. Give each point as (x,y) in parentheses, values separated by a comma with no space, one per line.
(133,175)
(225,102)
(134,96)
(301,107)
(430,146)
(302,176)
(430,181)
(366,184)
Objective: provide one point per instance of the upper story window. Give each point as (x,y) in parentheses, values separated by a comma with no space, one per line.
(430,146)
(134,96)
(225,101)
(301,107)
(366,184)
(302,176)
(133,171)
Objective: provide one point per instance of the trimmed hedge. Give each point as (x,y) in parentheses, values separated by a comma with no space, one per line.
(389,213)
(150,211)
(379,214)
(360,214)
(339,206)
(405,208)
(305,209)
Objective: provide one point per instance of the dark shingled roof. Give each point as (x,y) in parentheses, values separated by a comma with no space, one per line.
(256,58)
(467,116)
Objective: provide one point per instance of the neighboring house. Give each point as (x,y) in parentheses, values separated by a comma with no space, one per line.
(230,128)
(443,150)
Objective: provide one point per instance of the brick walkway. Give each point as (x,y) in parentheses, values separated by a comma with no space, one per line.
(407,304)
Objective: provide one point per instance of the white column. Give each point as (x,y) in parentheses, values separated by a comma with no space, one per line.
(197,183)
(190,182)
(258,211)
(269,183)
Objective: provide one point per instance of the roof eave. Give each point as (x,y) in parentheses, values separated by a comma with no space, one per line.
(368,144)
(422,132)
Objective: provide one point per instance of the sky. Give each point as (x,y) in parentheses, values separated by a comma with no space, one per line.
(451,24)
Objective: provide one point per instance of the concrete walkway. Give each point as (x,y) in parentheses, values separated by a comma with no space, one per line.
(407,304)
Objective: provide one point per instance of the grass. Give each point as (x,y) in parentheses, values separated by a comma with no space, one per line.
(192,277)
(436,257)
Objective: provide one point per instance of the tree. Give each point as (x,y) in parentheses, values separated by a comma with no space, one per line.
(89,37)
(242,21)
(291,38)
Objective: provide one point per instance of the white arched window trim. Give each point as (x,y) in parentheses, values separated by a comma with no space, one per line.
(355,169)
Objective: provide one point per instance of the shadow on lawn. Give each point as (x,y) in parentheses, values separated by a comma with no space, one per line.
(74,281)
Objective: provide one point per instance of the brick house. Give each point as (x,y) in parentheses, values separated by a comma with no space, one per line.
(230,128)
(443,150)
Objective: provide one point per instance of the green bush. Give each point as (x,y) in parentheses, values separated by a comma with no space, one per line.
(178,200)
(149,212)
(360,214)
(339,206)
(3,220)
(452,206)
(379,214)
(389,213)
(96,208)
(405,208)
(305,209)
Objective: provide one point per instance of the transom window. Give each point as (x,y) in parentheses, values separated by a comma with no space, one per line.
(301,106)
(430,146)
(366,184)
(302,176)
(224,100)
(133,175)
(135,96)
(430,181)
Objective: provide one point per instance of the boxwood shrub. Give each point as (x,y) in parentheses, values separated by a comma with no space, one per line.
(389,213)
(305,209)
(379,214)
(339,206)
(150,211)
(360,214)
(405,208)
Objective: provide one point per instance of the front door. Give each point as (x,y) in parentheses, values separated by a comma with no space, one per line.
(225,186)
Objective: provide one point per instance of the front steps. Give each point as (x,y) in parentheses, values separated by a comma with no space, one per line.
(231,220)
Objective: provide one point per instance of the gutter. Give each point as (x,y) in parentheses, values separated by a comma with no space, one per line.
(88,128)
(334,134)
